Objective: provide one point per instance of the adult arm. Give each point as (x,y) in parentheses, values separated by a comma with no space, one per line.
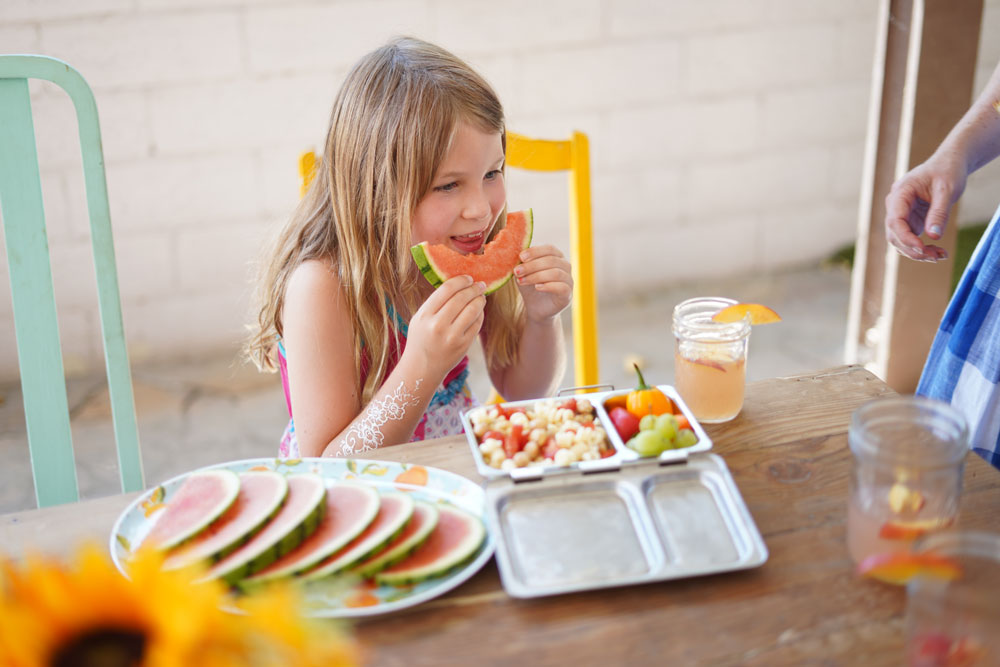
(921,200)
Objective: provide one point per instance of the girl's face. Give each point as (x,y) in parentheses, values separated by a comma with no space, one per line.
(467,193)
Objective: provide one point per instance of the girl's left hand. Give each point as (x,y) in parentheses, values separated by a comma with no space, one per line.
(545,280)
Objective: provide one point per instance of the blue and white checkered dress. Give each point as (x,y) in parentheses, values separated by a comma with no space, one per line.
(963,367)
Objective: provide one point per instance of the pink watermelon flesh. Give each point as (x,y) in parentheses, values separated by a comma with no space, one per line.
(202,497)
(261,493)
(302,501)
(350,508)
(457,536)
(425,518)
(438,262)
(393,514)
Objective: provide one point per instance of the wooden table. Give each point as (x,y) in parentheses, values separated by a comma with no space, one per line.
(787,452)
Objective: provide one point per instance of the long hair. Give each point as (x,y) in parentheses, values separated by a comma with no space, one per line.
(392,124)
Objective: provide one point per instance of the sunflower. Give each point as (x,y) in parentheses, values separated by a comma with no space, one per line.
(86,613)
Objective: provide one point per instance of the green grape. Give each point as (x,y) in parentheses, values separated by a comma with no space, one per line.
(647,423)
(646,443)
(666,426)
(685,438)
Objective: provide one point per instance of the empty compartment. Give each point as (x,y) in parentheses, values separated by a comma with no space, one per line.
(693,519)
(581,536)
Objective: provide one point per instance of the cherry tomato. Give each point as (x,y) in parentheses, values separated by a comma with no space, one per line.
(625,422)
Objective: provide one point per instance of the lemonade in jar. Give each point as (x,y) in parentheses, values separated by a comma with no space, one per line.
(710,359)
(906,479)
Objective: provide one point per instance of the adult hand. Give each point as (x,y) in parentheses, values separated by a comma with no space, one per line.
(546,282)
(920,201)
(446,323)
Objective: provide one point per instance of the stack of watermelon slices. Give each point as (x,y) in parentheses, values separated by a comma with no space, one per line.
(260,526)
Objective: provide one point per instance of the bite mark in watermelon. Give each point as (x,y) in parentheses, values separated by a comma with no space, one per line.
(393,515)
(260,496)
(297,519)
(350,508)
(494,267)
(454,540)
(202,498)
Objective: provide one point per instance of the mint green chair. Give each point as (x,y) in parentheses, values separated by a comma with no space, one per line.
(43,382)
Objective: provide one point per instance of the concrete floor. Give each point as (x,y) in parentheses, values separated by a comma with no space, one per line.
(194,413)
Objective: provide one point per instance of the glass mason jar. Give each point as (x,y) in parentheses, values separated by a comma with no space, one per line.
(909,455)
(710,359)
(955,622)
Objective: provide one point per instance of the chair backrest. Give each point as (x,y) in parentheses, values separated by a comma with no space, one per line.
(39,353)
(573,156)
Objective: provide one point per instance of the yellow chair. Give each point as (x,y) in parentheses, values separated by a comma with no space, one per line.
(573,156)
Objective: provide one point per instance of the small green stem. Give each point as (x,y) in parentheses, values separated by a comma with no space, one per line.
(642,381)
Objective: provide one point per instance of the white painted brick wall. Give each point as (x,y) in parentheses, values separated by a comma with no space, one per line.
(730,129)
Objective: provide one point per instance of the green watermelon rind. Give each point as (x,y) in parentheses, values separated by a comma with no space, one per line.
(436,276)
(457,557)
(342,541)
(375,544)
(228,477)
(391,556)
(300,528)
(265,518)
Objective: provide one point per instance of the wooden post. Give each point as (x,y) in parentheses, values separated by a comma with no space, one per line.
(923,81)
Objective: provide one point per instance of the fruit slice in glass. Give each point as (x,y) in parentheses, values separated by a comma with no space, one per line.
(899,568)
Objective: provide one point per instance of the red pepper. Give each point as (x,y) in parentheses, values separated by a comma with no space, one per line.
(569,404)
(550,448)
(512,444)
(506,412)
(495,435)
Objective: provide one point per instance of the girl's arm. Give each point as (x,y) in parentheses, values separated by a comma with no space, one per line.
(922,198)
(322,373)
(546,284)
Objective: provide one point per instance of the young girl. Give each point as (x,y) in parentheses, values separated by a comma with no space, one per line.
(370,354)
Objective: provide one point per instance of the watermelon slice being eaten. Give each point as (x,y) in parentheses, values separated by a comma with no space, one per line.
(494,266)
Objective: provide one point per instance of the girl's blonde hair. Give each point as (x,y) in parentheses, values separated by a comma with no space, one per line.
(392,124)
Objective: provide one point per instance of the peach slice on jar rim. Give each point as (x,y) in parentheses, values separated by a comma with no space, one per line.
(759,314)
(900,567)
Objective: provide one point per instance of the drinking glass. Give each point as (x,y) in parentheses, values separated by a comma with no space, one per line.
(710,358)
(956,622)
(906,480)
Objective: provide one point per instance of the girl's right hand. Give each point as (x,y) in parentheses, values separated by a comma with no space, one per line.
(447,323)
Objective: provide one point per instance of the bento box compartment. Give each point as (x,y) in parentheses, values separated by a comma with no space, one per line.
(582,536)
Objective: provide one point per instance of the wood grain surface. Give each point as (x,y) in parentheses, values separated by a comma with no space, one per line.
(787,451)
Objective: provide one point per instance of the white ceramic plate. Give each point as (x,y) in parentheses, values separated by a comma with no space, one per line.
(441,486)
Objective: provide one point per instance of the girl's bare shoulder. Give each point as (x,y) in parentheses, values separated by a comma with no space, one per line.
(314,291)
(313,276)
